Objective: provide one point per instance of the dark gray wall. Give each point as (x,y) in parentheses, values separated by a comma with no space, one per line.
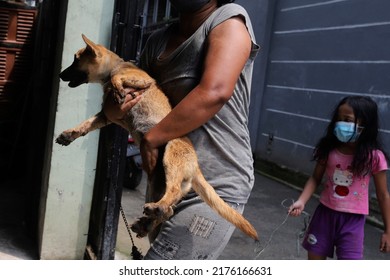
(320,51)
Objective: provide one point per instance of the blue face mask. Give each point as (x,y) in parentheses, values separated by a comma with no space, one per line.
(346,131)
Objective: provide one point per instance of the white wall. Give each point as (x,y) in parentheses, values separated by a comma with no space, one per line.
(70,171)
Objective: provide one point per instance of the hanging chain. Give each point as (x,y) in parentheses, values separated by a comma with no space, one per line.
(135,253)
(126,223)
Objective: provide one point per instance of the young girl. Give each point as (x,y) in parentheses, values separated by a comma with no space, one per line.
(349,154)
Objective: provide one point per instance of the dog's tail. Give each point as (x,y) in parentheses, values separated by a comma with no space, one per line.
(208,194)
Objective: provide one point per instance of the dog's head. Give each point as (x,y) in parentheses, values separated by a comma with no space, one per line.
(89,65)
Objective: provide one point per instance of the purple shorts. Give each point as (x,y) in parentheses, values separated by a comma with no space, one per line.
(330,229)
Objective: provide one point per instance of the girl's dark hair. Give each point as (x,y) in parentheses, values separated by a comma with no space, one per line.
(223,2)
(366,111)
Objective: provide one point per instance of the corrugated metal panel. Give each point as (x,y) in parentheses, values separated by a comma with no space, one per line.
(320,52)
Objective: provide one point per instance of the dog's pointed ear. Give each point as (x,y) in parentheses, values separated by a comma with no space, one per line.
(91,46)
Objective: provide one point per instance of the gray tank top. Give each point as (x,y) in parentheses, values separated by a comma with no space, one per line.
(222,144)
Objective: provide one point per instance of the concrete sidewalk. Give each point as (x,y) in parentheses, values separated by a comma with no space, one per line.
(266,210)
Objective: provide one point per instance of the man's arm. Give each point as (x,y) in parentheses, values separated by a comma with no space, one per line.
(228,49)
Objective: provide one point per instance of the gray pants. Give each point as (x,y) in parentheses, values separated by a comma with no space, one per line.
(194,232)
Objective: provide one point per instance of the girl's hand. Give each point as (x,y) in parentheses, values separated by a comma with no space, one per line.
(385,243)
(296,209)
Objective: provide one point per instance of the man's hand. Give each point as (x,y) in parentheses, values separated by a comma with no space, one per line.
(115,111)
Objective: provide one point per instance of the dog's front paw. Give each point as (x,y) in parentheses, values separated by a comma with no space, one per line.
(65,139)
(119,97)
(155,210)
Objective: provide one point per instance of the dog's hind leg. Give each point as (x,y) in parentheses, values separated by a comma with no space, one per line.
(91,124)
(144,225)
(156,213)
(179,159)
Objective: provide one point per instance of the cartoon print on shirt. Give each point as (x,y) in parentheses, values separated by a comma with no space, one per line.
(342,180)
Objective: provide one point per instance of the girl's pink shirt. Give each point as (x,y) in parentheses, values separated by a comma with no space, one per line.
(344,192)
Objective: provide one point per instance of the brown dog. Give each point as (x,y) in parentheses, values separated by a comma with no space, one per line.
(95,63)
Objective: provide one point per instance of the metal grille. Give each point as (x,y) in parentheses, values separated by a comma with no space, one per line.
(25,26)
(4,19)
(3,59)
(16,31)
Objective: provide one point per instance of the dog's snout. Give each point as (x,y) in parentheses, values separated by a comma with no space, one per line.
(75,77)
(63,76)
(68,73)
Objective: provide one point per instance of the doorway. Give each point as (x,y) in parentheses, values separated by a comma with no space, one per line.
(28,32)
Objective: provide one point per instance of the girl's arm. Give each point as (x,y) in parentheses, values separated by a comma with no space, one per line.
(310,187)
(383,197)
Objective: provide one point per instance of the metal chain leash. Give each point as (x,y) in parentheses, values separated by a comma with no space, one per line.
(135,253)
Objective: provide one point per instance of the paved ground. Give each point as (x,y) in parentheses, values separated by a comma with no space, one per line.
(266,210)
(279,234)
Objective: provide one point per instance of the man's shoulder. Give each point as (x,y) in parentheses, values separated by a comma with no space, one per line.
(232,8)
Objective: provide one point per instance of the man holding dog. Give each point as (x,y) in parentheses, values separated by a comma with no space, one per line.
(204,65)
